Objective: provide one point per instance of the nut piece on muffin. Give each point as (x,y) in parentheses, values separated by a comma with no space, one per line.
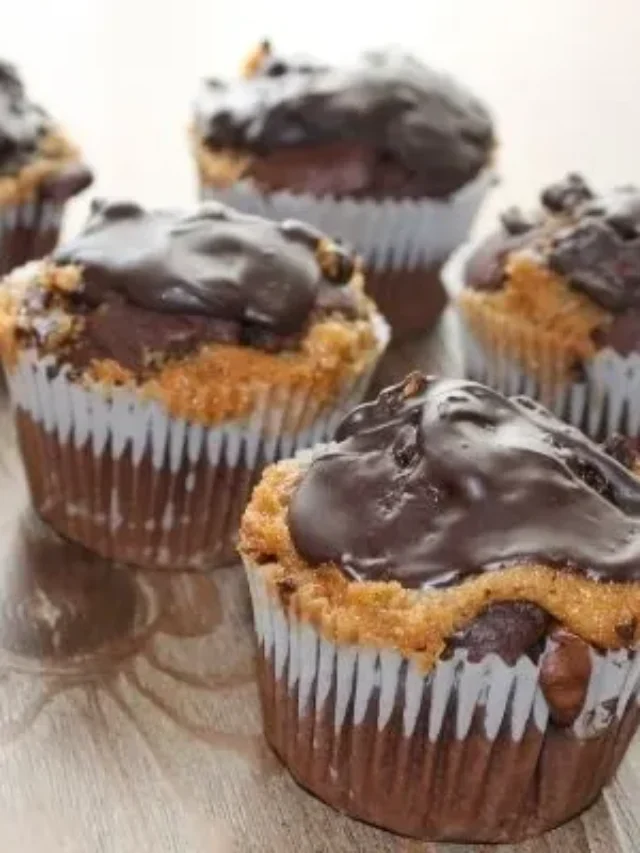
(447,603)
(40,169)
(552,305)
(158,360)
(384,151)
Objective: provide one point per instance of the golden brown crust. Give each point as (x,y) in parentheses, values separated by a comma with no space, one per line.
(417,623)
(537,319)
(220,381)
(55,152)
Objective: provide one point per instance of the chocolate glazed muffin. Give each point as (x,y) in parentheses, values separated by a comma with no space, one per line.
(385,152)
(552,306)
(40,170)
(447,605)
(161,358)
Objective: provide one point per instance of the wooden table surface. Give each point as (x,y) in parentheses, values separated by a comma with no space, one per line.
(129,717)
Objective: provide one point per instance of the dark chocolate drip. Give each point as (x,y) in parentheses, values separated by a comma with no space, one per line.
(438,480)
(165,281)
(22,123)
(388,102)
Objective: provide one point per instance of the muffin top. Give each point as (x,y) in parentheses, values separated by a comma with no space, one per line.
(138,290)
(444,498)
(33,152)
(588,243)
(402,126)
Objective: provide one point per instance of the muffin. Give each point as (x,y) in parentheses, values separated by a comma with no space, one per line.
(447,605)
(386,153)
(158,360)
(40,170)
(551,306)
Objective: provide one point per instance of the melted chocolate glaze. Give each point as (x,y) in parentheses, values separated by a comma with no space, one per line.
(387,101)
(592,240)
(165,281)
(440,479)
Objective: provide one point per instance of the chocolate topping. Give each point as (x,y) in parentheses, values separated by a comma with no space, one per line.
(624,449)
(600,254)
(566,195)
(22,123)
(165,281)
(591,240)
(438,480)
(387,103)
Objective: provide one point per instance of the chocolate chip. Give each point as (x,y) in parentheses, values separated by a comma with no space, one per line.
(566,195)
(515,222)
(275,68)
(627,630)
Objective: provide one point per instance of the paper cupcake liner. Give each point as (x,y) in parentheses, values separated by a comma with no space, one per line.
(396,239)
(605,401)
(465,752)
(27,232)
(388,234)
(132,483)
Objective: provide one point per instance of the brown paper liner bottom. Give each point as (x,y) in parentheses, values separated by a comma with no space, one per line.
(137,513)
(23,243)
(410,300)
(469,790)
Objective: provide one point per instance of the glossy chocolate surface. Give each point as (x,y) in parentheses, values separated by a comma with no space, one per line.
(393,112)
(167,281)
(591,240)
(440,479)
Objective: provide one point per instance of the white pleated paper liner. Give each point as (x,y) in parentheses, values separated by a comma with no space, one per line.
(467,751)
(129,481)
(389,234)
(28,231)
(605,401)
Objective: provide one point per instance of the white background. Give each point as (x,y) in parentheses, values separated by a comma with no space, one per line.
(562,76)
